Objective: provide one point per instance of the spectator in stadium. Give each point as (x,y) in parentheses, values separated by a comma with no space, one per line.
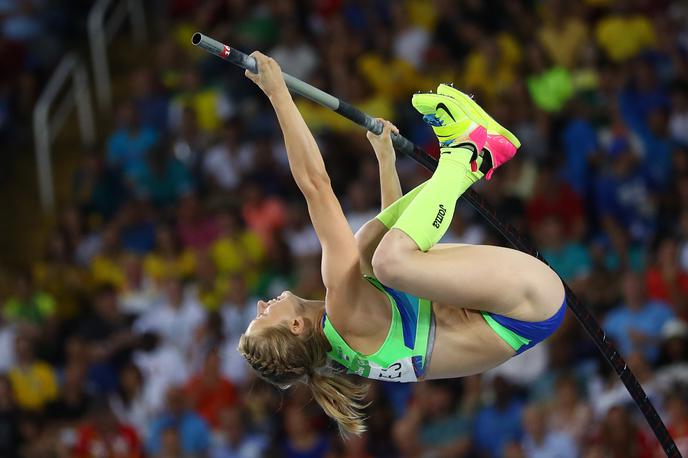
(27,304)
(237,250)
(104,436)
(264,215)
(541,442)
(303,437)
(569,413)
(108,337)
(620,436)
(433,424)
(234,439)
(33,381)
(226,162)
(128,403)
(162,366)
(666,279)
(196,227)
(677,423)
(499,422)
(568,258)
(168,258)
(175,317)
(636,324)
(10,439)
(162,179)
(73,401)
(192,430)
(129,145)
(209,391)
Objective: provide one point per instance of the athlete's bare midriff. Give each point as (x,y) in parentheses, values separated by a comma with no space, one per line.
(464,344)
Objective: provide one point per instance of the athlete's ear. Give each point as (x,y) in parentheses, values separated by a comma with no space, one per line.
(297,326)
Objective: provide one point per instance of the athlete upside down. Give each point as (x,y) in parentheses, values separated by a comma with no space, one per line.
(399,306)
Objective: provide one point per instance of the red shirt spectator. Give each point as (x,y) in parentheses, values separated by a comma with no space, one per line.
(264,215)
(209,391)
(196,229)
(666,281)
(553,198)
(104,437)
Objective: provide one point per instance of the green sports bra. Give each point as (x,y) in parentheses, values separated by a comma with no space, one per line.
(405,353)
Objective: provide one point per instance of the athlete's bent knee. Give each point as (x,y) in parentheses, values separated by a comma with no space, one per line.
(388,264)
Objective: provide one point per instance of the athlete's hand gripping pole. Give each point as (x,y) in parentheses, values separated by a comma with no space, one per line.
(405,146)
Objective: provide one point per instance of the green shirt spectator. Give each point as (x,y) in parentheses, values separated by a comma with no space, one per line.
(34,309)
(27,304)
(551,89)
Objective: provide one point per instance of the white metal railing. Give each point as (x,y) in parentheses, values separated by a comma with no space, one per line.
(102,28)
(46,127)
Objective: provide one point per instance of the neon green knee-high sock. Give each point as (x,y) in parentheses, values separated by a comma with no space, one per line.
(391,214)
(428,216)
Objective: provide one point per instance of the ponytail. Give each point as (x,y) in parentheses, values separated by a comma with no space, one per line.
(282,359)
(342,400)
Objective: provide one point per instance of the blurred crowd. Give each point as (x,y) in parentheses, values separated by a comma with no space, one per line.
(120,341)
(34,35)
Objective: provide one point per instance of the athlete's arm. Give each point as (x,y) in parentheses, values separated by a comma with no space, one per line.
(340,268)
(390,188)
(368,237)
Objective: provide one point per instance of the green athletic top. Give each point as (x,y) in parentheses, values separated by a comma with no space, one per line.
(405,353)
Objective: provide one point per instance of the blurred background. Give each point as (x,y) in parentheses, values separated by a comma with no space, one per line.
(146,203)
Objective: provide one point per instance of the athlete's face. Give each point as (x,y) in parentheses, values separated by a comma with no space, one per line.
(285,308)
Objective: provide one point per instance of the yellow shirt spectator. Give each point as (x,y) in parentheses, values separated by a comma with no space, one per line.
(107,270)
(33,385)
(622,37)
(491,69)
(319,118)
(159,267)
(564,42)
(240,254)
(392,78)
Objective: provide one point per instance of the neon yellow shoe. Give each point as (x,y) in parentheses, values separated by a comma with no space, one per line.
(450,121)
(500,143)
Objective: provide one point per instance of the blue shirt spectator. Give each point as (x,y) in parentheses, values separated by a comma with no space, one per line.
(498,424)
(234,440)
(624,195)
(129,145)
(192,430)
(636,325)
(538,442)
(580,143)
(162,179)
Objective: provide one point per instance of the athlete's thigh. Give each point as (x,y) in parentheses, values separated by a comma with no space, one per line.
(489,278)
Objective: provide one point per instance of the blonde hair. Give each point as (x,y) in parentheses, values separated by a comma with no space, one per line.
(282,358)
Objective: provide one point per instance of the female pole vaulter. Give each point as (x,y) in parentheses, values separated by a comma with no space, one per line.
(399,306)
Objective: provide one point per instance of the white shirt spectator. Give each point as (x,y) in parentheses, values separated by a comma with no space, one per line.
(525,368)
(236,317)
(234,366)
(225,166)
(162,369)
(553,445)
(411,44)
(678,126)
(7,336)
(176,325)
(299,60)
(303,242)
(136,413)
